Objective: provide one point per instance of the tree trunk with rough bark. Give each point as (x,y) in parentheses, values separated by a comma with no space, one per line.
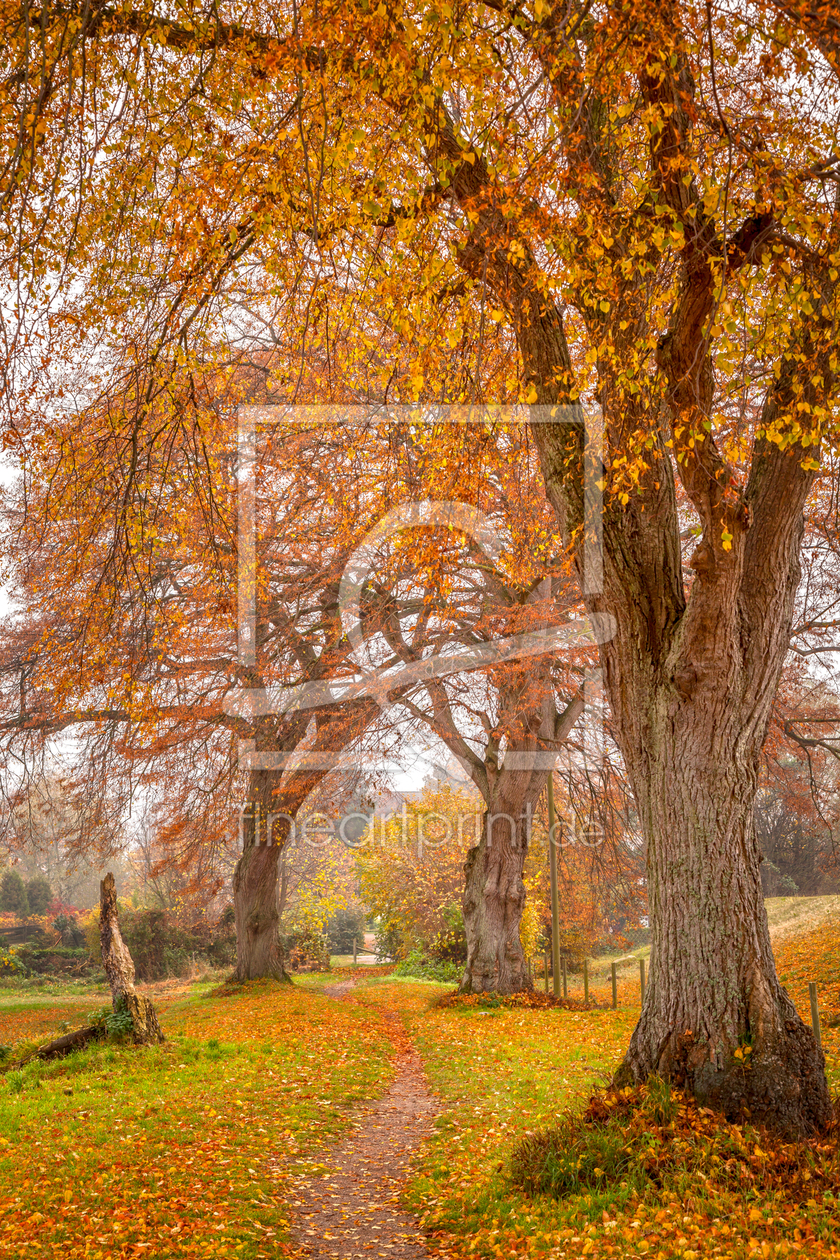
(259,949)
(119,968)
(494,891)
(691,676)
(493,901)
(716,1019)
(274,798)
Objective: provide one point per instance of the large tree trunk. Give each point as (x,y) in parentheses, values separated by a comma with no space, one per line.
(493,901)
(119,969)
(494,891)
(715,1018)
(259,951)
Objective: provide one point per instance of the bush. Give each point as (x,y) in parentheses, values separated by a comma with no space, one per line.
(13,898)
(389,942)
(38,894)
(161,945)
(10,964)
(306,950)
(68,929)
(345,927)
(56,960)
(774,883)
(450,944)
(426,968)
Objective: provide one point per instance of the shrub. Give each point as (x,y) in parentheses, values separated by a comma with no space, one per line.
(389,943)
(56,960)
(426,968)
(161,945)
(346,926)
(13,896)
(38,894)
(10,964)
(774,883)
(68,929)
(307,950)
(450,943)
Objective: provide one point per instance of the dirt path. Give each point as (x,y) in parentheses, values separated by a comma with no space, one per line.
(353,1213)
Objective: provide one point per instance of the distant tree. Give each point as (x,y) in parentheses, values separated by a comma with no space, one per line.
(39,894)
(13,898)
(411,869)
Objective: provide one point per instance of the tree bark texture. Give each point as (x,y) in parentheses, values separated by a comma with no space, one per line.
(691,674)
(119,968)
(274,798)
(493,901)
(494,891)
(259,951)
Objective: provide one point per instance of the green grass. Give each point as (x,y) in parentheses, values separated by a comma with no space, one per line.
(185,1150)
(182,1147)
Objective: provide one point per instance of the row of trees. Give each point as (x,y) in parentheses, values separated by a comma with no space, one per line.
(554,204)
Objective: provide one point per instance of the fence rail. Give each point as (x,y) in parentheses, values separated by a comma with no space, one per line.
(548,978)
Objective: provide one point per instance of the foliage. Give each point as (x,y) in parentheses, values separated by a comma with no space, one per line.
(163,945)
(774,883)
(13,898)
(450,943)
(345,927)
(38,894)
(411,872)
(57,960)
(307,950)
(118,1020)
(428,968)
(317,884)
(67,926)
(388,942)
(653,1139)
(10,964)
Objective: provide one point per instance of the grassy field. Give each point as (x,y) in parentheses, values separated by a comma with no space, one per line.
(185,1150)
(178,1150)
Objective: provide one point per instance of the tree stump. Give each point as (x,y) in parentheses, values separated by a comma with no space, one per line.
(119,969)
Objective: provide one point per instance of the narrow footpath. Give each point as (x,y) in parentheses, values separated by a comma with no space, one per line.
(353,1212)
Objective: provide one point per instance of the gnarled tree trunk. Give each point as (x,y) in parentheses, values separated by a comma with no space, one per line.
(119,969)
(713,989)
(691,677)
(493,901)
(259,950)
(494,891)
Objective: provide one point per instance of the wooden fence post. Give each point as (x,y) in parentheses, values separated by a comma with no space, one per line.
(815,1013)
(355,946)
(545,969)
(642,977)
(586,981)
(614,987)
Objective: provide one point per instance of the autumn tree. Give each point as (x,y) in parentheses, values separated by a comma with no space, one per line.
(643,200)
(141,662)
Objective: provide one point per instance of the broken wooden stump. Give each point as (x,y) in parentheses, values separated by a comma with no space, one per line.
(119,969)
